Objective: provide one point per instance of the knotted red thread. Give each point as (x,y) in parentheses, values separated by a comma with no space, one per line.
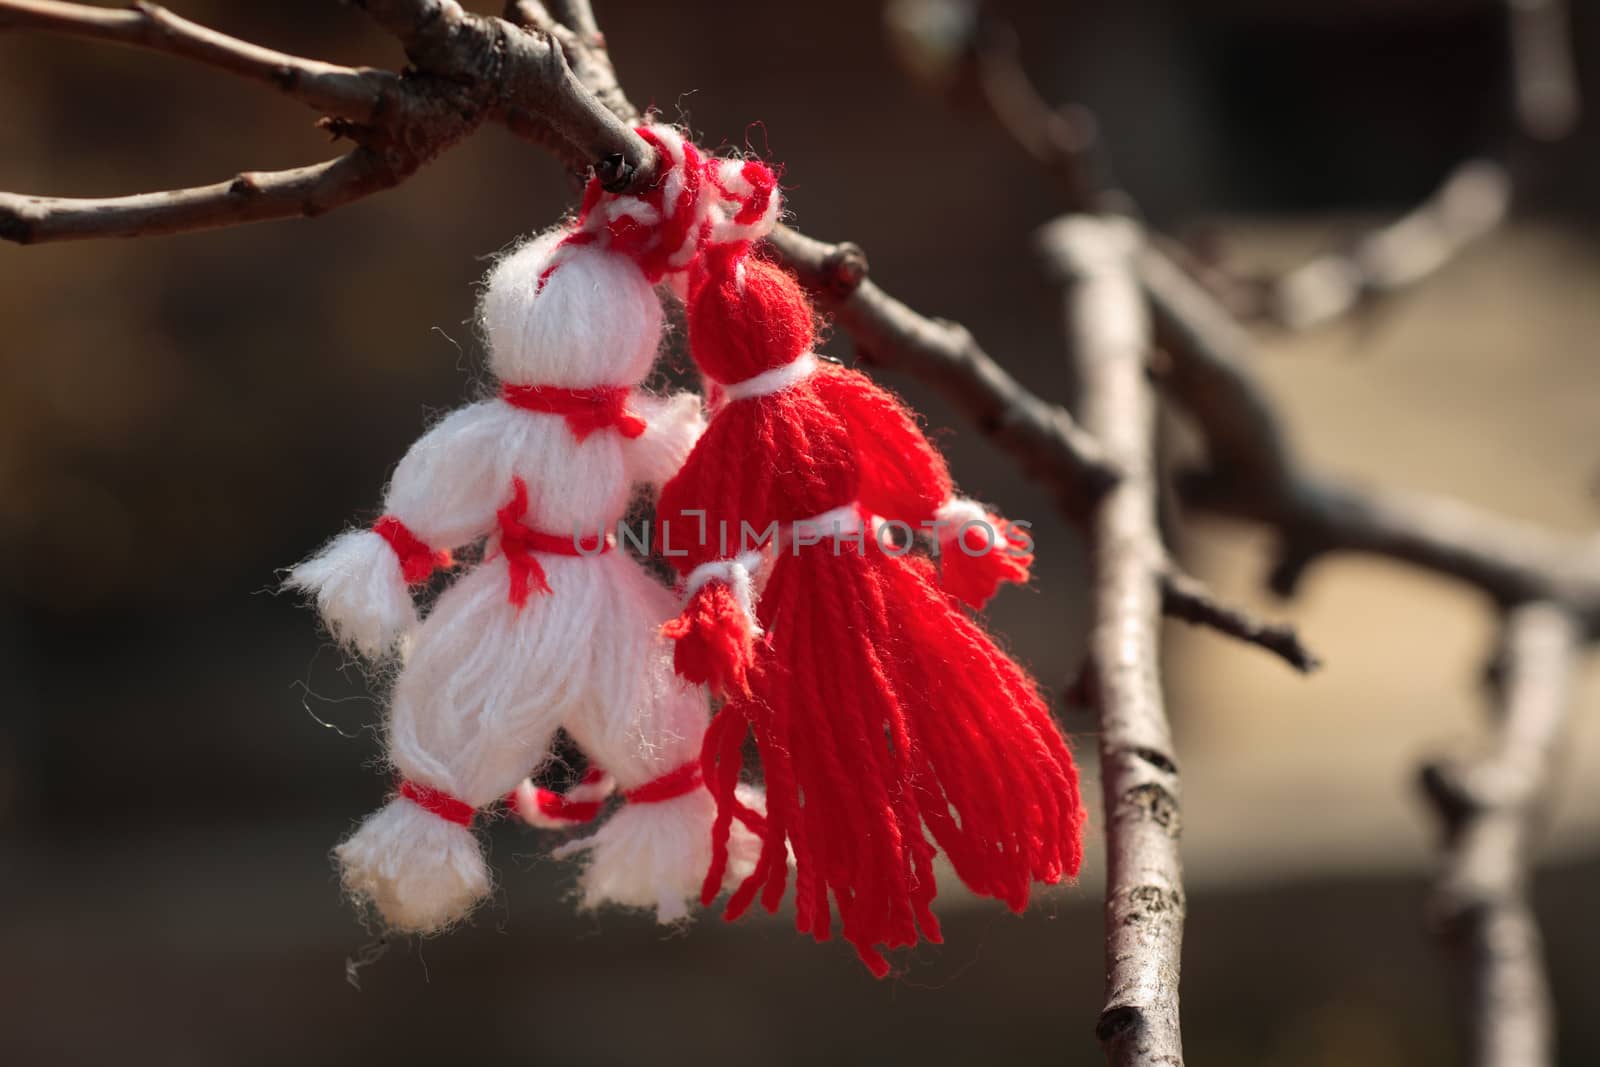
(520,543)
(763,182)
(660,245)
(417,560)
(437,802)
(680,781)
(575,239)
(586,410)
(561,807)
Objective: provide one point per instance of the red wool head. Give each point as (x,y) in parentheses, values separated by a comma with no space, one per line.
(745,316)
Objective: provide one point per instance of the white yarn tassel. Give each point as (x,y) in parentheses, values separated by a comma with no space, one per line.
(654,857)
(360,592)
(420,872)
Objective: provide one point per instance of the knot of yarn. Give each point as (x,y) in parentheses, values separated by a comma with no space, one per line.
(586,410)
(418,561)
(747,201)
(660,227)
(520,544)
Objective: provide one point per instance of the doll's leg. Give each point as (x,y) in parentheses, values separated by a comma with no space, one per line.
(466,724)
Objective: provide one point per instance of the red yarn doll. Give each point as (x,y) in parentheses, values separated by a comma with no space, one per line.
(883,714)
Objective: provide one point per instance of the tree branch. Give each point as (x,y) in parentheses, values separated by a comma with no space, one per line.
(347,92)
(1471,202)
(1187,598)
(469,68)
(527,82)
(574,28)
(1108,333)
(1255,475)
(1059,140)
(1489,810)
(944,354)
(249,197)
(1544,75)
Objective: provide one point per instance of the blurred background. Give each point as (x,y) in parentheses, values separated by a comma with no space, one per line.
(182,416)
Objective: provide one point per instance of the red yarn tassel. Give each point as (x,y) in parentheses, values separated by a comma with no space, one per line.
(714,643)
(979,559)
(883,715)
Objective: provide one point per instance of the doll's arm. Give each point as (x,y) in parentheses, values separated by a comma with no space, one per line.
(716,631)
(672,426)
(443,495)
(904,479)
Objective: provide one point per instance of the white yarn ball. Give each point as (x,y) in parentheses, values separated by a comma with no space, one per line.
(595,320)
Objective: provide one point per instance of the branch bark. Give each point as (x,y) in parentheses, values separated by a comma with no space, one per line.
(549,78)
(1544,74)
(248,197)
(1489,810)
(468,68)
(887,333)
(1469,204)
(1108,334)
(353,93)
(1255,475)
(1187,598)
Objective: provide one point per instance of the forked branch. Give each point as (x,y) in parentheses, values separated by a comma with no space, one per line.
(1256,475)
(468,69)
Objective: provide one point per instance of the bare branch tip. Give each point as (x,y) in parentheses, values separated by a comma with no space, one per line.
(1185,597)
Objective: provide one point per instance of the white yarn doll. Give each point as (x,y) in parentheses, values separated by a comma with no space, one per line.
(555,628)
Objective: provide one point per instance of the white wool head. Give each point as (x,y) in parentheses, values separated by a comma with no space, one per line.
(571,316)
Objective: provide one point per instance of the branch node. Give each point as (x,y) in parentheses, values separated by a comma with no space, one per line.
(844,268)
(1114,1022)
(614,172)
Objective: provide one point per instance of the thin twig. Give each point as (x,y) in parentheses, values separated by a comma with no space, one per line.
(1255,475)
(520,74)
(1187,598)
(348,92)
(944,354)
(249,197)
(1109,339)
(1471,202)
(1544,74)
(1490,810)
(1062,141)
